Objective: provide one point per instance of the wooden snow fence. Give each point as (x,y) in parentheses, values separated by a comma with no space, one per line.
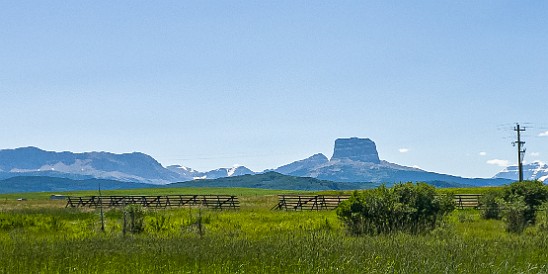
(309,202)
(464,201)
(330,202)
(219,202)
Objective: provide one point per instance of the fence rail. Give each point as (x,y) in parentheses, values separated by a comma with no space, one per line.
(220,202)
(330,202)
(463,201)
(309,202)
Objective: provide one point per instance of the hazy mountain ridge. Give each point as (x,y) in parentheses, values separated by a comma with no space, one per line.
(274,180)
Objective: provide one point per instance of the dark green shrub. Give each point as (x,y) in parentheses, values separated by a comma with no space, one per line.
(533,194)
(490,204)
(405,207)
(542,217)
(516,214)
(517,203)
(134,216)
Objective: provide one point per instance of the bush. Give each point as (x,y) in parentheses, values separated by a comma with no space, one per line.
(515,215)
(490,203)
(520,201)
(542,217)
(136,215)
(405,207)
(533,193)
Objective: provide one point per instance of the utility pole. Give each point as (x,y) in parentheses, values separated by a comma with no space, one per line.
(521,152)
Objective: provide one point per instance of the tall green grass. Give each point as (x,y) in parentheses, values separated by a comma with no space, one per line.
(311,248)
(50,239)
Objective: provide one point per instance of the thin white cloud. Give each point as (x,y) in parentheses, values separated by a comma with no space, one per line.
(535,154)
(543,134)
(403,150)
(498,162)
(483,153)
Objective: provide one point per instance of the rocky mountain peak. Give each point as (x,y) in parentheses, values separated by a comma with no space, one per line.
(356,149)
(303,166)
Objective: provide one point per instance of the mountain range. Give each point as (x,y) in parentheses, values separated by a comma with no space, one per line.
(357,160)
(353,160)
(128,167)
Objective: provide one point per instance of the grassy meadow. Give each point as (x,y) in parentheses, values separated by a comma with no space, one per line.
(41,236)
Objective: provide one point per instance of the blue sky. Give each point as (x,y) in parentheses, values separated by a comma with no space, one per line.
(205,84)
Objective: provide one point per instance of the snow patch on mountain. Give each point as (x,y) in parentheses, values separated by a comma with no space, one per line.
(226,172)
(231,171)
(186,173)
(534,171)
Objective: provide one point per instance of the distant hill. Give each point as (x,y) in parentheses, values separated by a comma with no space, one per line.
(274,180)
(55,184)
(442,184)
(268,180)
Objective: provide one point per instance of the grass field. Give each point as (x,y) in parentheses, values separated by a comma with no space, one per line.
(41,236)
